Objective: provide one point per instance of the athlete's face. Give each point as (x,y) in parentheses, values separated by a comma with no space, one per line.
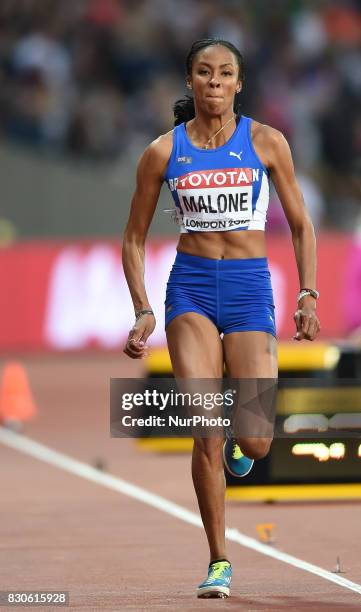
(214,79)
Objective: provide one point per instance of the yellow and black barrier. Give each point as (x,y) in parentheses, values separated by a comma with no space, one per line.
(292,357)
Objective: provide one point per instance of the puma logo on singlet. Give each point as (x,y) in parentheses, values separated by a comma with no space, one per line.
(239,155)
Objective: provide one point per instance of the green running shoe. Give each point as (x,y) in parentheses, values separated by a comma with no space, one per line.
(235,461)
(218,581)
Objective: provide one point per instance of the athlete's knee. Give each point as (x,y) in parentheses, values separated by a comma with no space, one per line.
(255,448)
(210,448)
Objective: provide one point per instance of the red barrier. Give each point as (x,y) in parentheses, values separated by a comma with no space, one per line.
(73,295)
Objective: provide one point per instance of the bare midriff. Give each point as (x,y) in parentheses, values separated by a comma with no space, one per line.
(245,244)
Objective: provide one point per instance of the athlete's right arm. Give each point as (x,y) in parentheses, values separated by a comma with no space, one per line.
(150,172)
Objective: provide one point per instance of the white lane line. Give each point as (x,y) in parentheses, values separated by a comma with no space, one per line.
(59,460)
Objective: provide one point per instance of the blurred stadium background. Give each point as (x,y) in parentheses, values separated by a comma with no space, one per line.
(85,86)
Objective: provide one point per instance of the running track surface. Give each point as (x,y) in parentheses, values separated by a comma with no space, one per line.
(112,552)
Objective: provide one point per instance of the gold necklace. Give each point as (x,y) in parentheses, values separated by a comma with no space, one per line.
(206,146)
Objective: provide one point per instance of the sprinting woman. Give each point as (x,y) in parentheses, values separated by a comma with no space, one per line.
(219,308)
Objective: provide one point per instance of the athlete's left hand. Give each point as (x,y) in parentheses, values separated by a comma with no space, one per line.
(307,323)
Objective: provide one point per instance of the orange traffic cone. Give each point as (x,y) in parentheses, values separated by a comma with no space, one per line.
(16,401)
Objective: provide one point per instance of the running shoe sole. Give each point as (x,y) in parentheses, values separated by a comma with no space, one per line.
(220,592)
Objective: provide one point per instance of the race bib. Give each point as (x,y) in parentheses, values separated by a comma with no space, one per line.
(215,199)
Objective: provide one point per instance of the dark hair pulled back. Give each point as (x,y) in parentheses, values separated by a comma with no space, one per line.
(184,109)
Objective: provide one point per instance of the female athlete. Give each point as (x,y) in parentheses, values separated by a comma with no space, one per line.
(219,307)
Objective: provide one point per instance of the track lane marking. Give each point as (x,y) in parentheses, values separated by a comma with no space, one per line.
(73,466)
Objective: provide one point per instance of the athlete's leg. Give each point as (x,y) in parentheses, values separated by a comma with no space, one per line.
(251,355)
(195,350)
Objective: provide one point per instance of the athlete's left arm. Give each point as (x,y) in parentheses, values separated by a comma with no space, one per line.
(282,173)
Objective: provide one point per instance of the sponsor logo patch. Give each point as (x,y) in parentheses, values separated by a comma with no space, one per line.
(184,160)
(233,154)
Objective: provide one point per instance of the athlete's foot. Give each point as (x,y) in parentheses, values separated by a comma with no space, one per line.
(218,581)
(235,461)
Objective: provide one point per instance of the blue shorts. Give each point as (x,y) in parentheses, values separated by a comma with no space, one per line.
(235,294)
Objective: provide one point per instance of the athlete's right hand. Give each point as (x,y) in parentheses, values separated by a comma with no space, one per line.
(136,346)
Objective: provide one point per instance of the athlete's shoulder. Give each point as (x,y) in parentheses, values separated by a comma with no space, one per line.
(157,153)
(269,140)
(267,135)
(161,147)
